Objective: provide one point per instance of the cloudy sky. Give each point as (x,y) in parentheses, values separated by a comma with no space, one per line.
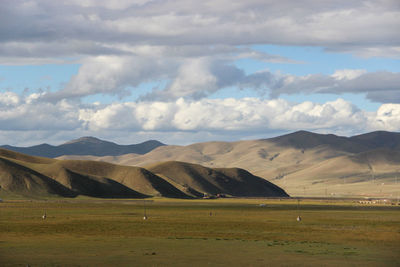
(186,71)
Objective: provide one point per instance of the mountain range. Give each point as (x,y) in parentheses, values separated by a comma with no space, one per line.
(33,176)
(86,146)
(302,163)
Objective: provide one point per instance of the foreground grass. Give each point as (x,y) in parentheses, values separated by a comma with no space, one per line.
(234,232)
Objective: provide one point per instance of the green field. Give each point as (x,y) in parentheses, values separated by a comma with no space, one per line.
(235,232)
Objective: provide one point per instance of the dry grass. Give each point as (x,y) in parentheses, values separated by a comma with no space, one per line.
(38,176)
(237,232)
(316,168)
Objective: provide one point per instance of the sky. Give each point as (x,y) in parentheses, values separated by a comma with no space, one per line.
(189,71)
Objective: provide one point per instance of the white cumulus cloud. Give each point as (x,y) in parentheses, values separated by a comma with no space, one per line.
(28,120)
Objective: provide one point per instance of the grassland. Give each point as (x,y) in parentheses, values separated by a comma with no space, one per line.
(235,232)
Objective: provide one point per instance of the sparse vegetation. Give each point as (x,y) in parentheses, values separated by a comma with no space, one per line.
(323,164)
(46,230)
(35,176)
(242,232)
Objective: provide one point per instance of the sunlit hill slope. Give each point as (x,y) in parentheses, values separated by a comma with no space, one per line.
(303,163)
(35,176)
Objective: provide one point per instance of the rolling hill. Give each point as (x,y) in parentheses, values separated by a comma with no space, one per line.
(36,176)
(86,146)
(195,178)
(302,163)
(19,179)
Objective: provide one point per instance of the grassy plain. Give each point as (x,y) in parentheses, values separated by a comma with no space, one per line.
(235,232)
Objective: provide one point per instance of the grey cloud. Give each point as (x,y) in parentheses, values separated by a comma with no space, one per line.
(340,25)
(383,86)
(260,81)
(192,45)
(199,78)
(56,49)
(385,96)
(112,75)
(190,77)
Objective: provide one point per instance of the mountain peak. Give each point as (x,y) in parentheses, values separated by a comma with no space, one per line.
(307,140)
(85,139)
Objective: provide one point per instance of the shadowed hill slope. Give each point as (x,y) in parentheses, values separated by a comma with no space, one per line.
(95,179)
(86,146)
(135,178)
(378,157)
(294,161)
(28,175)
(21,180)
(307,140)
(258,184)
(378,139)
(235,182)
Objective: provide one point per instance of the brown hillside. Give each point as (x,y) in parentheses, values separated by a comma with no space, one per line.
(23,157)
(136,178)
(371,173)
(96,179)
(19,179)
(302,163)
(101,179)
(235,182)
